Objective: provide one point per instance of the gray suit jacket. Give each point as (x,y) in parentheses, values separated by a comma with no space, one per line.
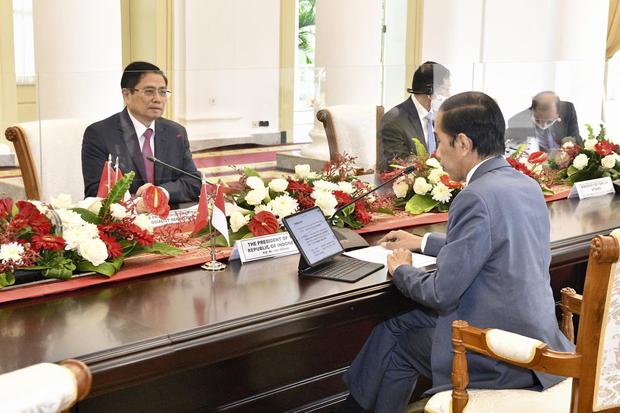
(117,136)
(398,126)
(492,271)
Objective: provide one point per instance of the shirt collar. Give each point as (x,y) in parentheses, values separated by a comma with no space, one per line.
(472,170)
(139,127)
(422,112)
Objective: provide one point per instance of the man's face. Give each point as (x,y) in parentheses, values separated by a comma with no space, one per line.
(146,102)
(451,157)
(546,112)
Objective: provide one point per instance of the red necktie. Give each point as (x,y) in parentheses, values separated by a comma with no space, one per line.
(146,151)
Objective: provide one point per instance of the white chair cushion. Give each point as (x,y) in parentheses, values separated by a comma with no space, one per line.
(607,383)
(555,399)
(356,130)
(44,387)
(512,346)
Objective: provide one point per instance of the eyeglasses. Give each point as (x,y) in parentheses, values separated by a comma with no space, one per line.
(150,92)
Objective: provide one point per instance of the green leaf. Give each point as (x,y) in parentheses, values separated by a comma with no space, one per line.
(420,150)
(87,215)
(108,268)
(6,279)
(385,211)
(247,171)
(164,249)
(61,273)
(116,194)
(419,204)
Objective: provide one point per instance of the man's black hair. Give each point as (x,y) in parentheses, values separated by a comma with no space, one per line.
(427,76)
(134,72)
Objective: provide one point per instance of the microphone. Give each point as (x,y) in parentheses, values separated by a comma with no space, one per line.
(155,160)
(405,171)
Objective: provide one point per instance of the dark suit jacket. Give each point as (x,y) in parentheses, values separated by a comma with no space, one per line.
(116,135)
(520,126)
(398,126)
(492,271)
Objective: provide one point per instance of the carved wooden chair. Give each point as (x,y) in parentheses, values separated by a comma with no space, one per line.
(593,369)
(27,166)
(45,387)
(352,129)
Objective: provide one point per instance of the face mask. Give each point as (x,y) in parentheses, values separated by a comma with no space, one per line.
(436,101)
(544,124)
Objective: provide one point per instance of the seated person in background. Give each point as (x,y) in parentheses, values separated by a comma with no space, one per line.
(493,260)
(414,117)
(140,131)
(549,120)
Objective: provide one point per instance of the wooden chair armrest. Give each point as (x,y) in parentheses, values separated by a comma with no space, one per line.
(83,376)
(466,337)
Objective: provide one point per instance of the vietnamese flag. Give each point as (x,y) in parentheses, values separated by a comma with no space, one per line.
(106,182)
(202,215)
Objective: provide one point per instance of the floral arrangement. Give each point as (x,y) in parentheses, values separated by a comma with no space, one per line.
(60,238)
(427,189)
(598,156)
(536,167)
(257,206)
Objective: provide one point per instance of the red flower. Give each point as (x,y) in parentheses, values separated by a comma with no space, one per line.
(519,166)
(342,198)
(26,210)
(156,201)
(604,148)
(40,224)
(6,204)
(299,187)
(305,201)
(537,157)
(48,242)
(114,248)
(361,213)
(263,223)
(445,179)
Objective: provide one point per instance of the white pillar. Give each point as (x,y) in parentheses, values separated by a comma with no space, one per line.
(78,54)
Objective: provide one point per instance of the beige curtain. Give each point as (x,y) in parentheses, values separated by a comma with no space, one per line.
(613,29)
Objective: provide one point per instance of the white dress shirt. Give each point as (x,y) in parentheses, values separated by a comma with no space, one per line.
(140,129)
(423,114)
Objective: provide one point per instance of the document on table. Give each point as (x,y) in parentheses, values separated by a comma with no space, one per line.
(379,254)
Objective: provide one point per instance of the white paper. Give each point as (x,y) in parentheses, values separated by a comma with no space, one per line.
(174,216)
(379,254)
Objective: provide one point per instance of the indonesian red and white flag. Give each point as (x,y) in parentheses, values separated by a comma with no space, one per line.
(107,180)
(218,216)
(202,214)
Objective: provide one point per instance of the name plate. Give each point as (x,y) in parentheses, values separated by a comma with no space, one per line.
(174,217)
(267,246)
(592,188)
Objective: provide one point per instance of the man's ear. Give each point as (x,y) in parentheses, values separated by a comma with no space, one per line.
(464,143)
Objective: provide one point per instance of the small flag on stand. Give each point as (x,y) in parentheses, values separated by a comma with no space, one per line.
(106,182)
(202,215)
(218,216)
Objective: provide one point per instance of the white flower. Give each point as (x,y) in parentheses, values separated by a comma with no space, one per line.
(278,185)
(118,211)
(62,201)
(230,208)
(70,219)
(441,193)
(11,252)
(323,185)
(609,161)
(614,139)
(238,220)
(568,145)
(346,187)
(262,207)
(93,250)
(421,187)
(433,163)
(326,201)
(589,144)
(616,156)
(93,204)
(143,222)
(256,196)
(435,175)
(255,182)
(78,234)
(284,205)
(302,171)
(580,160)
(313,175)
(400,188)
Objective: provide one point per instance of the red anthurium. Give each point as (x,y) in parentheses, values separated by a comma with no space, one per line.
(48,242)
(263,223)
(156,201)
(604,148)
(519,166)
(445,179)
(537,157)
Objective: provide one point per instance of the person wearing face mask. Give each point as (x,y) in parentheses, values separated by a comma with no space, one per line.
(415,116)
(545,125)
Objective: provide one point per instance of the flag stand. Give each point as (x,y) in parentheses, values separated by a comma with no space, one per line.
(213,265)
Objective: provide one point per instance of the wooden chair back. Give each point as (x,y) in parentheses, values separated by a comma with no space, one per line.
(27,165)
(339,144)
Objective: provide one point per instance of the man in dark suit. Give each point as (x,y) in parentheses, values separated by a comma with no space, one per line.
(140,131)
(414,117)
(492,271)
(549,120)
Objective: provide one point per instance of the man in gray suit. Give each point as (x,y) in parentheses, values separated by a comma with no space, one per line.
(140,131)
(492,271)
(414,117)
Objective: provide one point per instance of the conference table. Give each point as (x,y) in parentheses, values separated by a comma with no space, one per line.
(253,338)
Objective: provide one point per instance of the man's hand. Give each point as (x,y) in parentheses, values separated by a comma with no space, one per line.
(398,257)
(401,239)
